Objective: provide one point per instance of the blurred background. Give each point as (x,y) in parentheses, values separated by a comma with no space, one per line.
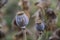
(10,10)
